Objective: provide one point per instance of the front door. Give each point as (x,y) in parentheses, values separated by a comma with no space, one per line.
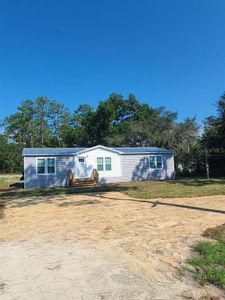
(81,167)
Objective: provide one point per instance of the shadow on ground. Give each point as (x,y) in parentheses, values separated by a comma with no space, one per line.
(79,203)
(63,202)
(14,193)
(157,203)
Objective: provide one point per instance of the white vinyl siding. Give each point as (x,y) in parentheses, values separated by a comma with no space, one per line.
(137,167)
(63,164)
(105,174)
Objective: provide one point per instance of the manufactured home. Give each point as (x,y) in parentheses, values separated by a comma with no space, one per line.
(45,167)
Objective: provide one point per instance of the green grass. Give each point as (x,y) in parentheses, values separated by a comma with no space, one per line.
(188,187)
(9,178)
(209,263)
(2,179)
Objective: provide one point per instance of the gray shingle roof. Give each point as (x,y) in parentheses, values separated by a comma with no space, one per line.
(72,151)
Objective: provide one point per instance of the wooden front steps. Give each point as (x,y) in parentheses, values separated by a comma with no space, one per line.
(83,182)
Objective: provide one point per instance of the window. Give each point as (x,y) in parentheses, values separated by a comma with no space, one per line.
(155,162)
(51,165)
(152,162)
(41,166)
(100,163)
(104,163)
(159,162)
(46,165)
(108,164)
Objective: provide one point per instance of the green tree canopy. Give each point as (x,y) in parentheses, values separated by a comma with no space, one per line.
(116,121)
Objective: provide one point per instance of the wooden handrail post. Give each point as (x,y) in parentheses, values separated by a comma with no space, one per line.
(95,176)
(71,178)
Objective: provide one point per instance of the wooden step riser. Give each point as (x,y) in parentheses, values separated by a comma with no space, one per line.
(84,186)
(84,183)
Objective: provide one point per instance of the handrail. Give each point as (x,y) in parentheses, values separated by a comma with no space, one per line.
(94,177)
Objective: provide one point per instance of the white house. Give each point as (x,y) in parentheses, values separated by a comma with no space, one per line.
(44,167)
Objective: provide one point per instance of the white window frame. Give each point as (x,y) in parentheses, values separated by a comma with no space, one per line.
(46,166)
(108,164)
(104,164)
(155,155)
(99,164)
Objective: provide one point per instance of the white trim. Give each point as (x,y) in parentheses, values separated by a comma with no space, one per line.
(77,166)
(104,163)
(108,164)
(97,147)
(46,166)
(99,164)
(155,155)
(146,153)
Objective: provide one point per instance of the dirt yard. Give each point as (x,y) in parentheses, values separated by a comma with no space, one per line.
(103,246)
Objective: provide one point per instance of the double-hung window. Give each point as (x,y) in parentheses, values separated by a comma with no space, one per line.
(51,165)
(108,164)
(104,163)
(41,165)
(155,162)
(100,164)
(46,165)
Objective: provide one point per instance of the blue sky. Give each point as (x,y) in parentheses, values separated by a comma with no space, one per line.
(168,53)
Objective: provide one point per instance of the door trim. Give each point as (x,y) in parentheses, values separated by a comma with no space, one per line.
(79,171)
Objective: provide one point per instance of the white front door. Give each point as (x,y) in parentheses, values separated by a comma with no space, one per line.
(81,167)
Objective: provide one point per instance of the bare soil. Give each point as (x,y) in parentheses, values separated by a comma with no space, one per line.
(103,246)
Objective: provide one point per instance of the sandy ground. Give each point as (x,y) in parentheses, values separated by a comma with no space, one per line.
(103,246)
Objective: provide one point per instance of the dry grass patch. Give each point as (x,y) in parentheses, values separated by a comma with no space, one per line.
(216,233)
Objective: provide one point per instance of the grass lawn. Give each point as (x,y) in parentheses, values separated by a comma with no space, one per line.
(209,258)
(188,187)
(209,262)
(8,179)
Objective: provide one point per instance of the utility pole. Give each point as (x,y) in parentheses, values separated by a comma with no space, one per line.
(206,162)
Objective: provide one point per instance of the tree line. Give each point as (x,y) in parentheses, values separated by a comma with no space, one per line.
(116,121)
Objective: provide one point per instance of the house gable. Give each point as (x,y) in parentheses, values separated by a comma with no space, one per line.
(100,147)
